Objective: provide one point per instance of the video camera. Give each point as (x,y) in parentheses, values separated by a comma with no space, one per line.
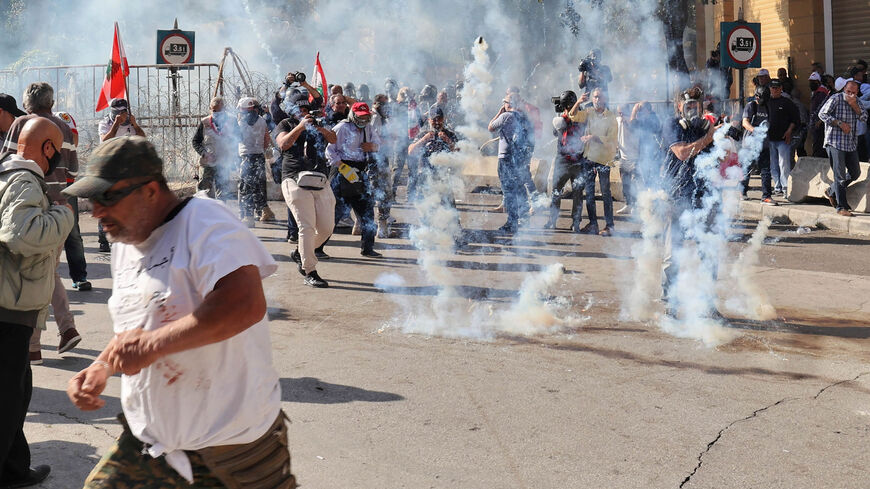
(564,102)
(294,77)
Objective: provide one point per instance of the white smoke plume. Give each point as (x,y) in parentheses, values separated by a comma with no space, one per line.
(693,300)
(752,300)
(641,300)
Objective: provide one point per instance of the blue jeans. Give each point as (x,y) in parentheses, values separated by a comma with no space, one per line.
(603,173)
(763,162)
(846,171)
(516,203)
(252,185)
(75,249)
(780,164)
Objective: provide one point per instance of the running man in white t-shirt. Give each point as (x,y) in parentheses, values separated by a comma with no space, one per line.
(191,335)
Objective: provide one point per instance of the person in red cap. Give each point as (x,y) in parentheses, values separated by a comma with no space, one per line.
(354,150)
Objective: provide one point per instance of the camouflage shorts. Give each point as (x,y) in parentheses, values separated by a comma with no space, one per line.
(124,466)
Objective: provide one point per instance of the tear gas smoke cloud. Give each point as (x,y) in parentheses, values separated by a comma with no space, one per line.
(706,231)
(752,299)
(436,233)
(693,296)
(414,41)
(640,301)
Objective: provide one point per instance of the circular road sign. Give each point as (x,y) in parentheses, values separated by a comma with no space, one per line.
(176,49)
(742,45)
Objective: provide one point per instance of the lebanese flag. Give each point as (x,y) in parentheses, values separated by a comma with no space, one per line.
(319,79)
(117,71)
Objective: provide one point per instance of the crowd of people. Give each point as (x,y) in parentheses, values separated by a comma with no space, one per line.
(181,265)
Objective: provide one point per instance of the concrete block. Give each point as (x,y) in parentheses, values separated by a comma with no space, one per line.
(812,176)
(801,217)
(751,210)
(859,226)
(483,171)
(777,214)
(831,220)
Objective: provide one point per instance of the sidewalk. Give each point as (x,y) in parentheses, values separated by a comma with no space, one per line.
(803,214)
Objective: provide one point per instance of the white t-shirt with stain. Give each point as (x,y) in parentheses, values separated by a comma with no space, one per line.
(220,394)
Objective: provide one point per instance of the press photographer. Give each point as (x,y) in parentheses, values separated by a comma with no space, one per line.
(294,83)
(593,73)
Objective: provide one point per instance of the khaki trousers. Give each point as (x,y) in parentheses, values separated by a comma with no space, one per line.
(60,307)
(314,211)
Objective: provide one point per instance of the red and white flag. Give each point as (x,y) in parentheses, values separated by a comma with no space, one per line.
(319,79)
(115,84)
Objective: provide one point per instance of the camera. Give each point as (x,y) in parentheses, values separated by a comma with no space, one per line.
(294,77)
(564,102)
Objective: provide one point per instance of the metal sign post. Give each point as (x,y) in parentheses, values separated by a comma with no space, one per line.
(741,42)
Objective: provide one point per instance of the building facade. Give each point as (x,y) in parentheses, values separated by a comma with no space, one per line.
(794,34)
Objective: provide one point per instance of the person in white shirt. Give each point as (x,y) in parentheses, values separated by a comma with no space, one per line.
(200,397)
(119,121)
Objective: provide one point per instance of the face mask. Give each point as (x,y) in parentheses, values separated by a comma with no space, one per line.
(251,118)
(54,161)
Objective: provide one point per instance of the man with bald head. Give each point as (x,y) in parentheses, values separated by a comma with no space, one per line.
(31,233)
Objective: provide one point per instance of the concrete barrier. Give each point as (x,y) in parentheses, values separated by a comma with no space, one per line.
(812,176)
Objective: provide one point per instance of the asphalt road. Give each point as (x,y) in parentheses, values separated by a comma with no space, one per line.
(596,401)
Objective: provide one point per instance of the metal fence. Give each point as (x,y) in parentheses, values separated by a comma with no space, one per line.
(167,101)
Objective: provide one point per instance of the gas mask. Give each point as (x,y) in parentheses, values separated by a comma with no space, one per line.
(251,118)
(359,122)
(692,117)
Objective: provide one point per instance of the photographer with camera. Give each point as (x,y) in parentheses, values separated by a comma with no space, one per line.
(567,163)
(294,82)
(600,146)
(305,186)
(755,114)
(593,74)
(119,122)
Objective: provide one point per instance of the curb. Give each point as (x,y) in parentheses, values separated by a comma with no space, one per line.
(854,226)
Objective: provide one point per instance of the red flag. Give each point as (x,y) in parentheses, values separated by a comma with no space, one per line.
(115,84)
(319,79)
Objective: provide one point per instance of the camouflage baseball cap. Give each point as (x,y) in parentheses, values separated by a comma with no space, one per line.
(115,160)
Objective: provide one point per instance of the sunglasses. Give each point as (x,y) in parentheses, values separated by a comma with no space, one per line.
(112,197)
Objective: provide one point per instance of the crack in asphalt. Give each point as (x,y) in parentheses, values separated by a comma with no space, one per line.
(77,420)
(755,414)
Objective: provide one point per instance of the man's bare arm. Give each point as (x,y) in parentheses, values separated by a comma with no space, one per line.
(236,303)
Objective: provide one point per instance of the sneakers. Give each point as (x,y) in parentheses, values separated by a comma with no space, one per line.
(82,286)
(34,476)
(778,193)
(267,215)
(768,201)
(370,253)
(589,228)
(607,231)
(344,223)
(845,212)
(321,255)
(68,340)
(625,211)
(36,358)
(293,238)
(105,248)
(312,279)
